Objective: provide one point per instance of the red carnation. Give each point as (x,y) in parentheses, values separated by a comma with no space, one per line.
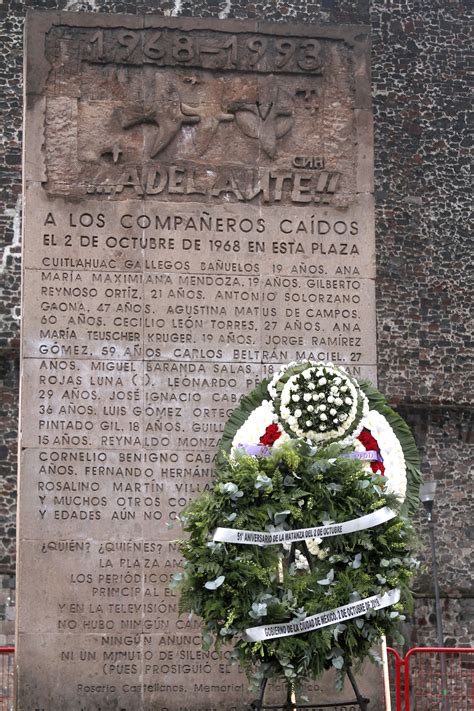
(377,467)
(371,444)
(272,433)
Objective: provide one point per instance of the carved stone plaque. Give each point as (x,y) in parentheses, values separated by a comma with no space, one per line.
(198,211)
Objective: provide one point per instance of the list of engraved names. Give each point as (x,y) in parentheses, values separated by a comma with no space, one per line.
(177,249)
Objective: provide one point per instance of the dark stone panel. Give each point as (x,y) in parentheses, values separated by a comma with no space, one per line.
(420,103)
(444,438)
(457,614)
(9,382)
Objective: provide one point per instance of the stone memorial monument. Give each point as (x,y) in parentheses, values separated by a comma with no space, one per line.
(198,210)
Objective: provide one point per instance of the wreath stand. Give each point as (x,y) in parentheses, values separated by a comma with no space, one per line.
(291,705)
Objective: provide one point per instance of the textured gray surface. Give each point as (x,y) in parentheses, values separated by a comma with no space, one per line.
(422,205)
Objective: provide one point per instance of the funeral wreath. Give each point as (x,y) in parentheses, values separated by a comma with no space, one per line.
(300,555)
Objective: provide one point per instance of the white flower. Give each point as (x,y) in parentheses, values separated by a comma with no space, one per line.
(272,385)
(313,545)
(298,413)
(281,440)
(254,426)
(322,408)
(286,396)
(342,428)
(301,562)
(391,452)
(308,423)
(310,408)
(323,416)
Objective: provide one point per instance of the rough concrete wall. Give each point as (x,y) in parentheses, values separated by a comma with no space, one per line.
(422,202)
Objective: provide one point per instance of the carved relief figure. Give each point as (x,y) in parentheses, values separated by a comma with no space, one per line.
(167,113)
(269,118)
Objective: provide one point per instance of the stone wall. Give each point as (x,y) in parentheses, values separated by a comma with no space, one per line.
(422,197)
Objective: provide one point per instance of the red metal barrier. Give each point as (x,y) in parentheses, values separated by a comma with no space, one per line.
(433,679)
(7,666)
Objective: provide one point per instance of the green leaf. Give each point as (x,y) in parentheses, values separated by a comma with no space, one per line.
(214,584)
(244,580)
(280,516)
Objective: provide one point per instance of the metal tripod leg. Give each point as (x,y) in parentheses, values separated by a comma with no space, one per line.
(360,699)
(257,705)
